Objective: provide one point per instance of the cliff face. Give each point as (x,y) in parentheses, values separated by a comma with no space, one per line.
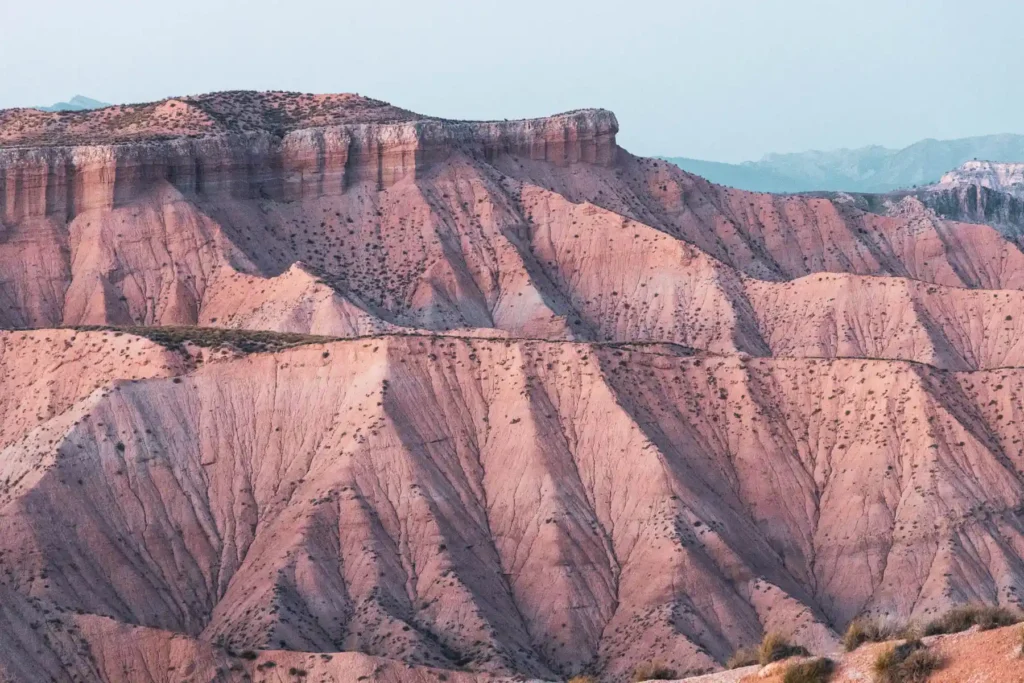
(138,231)
(978,204)
(304,164)
(979,192)
(1003,177)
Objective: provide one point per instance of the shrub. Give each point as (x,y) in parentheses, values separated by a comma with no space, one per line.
(745,656)
(775,647)
(962,618)
(653,671)
(863,630)
(811,671)
(910,662)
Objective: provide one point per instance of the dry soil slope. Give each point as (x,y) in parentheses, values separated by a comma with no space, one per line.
(455,502)
(46,644)
(995,656)
(849,316)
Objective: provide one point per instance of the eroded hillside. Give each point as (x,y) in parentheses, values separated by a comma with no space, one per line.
(448,501)
(315,383)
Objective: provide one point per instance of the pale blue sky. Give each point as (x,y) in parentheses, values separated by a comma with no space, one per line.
(717,79)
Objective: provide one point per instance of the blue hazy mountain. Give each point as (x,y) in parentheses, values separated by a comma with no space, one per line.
(867,169)
(76,103)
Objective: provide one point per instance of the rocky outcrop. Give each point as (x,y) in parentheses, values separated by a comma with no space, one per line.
(63,182)
(1002,177)
(978,192)
(978,204)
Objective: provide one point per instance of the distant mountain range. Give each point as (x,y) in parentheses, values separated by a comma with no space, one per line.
(867,169)
(76,103)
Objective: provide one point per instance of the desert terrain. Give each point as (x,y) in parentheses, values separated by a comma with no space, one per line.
(305,387)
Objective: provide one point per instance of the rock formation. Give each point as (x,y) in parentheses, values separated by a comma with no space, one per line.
(567,409)
(1002,177)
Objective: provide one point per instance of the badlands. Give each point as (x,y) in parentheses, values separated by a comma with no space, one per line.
(302,387)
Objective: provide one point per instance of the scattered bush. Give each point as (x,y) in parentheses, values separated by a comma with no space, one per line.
(962,618)
(817,670)
(247,341)
(775,647)
(910,662)
(745,656)
(653,671)
(863,630)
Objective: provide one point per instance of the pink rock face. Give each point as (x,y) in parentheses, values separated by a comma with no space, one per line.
(570,410)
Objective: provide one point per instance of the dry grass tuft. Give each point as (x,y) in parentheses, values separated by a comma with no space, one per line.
(817,670)
(962,618)
(865,630)
(910,662)
(775,647)
(745,656)
(652,671)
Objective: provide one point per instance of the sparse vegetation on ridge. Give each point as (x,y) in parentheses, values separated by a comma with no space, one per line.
(867,630)
(775,647)
(219,113)
(818,670)
(248,341)
(652,671)
(909,662)
(745,656)
(984,617)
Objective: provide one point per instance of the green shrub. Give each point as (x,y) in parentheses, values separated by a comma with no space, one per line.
(745,656)
(247,341)
(962,618)
(864,630)
(910,662)
(817,670)
(775,647)
(653,671)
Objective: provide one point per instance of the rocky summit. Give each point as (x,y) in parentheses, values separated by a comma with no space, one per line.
(312,387)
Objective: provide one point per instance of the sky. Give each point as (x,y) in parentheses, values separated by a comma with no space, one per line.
(725,80)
